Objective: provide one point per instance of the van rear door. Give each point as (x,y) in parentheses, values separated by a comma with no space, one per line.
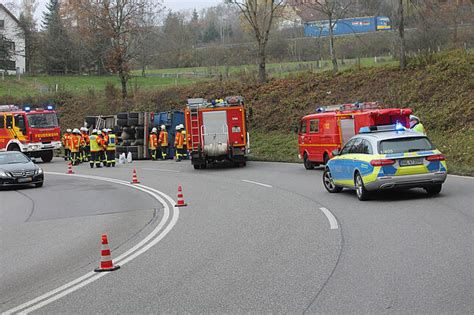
(347,129)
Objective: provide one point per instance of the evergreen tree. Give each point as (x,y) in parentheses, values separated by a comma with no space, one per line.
(211,33)
(57,47)
(5,52)
(29,33)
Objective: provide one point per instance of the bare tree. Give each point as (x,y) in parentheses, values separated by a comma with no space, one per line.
(260,15)
(333,11)
(401,34)
(146,38)
(119,21)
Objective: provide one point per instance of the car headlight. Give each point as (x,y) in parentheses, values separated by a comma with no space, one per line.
(3,173)
(39,171)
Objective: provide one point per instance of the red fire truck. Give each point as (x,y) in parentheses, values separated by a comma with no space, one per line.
(216,131)
(34,132)
(328,129)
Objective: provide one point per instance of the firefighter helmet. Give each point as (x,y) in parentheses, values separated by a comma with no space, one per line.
(76,130)
(99,132)
(68,130)
(163,127)
(94,131)
(413,117)
(154,130)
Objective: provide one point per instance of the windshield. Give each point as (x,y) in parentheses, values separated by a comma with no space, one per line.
(46,120)
(402,145)
(13,158)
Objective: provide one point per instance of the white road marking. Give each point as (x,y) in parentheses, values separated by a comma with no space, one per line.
(126,257)
(161,170)
(257,183)
(331,218)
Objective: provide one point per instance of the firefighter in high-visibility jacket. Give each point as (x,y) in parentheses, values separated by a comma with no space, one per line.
(185,141)
(163,142)
(65,141)
(105,139)
(178,144)
(96,149)
(75,146)
(110,148)
(86,149)
(153,143)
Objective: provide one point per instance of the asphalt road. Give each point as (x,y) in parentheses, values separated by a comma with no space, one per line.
(252,239)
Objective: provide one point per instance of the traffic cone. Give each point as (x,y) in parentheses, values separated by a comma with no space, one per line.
(180,202)
(69,168)
(106,263)
(134,177)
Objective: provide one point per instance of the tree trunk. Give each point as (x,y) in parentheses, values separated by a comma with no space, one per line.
(123,81)
(262,72)
(401,31)
(332,50)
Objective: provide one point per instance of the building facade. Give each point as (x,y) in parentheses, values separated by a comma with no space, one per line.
(12,35)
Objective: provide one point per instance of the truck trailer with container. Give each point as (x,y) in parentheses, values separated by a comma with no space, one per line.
(348,26)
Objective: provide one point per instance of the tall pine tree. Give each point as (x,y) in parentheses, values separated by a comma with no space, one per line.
(57,46)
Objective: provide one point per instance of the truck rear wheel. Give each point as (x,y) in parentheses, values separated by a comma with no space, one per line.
(307,163)
(326,158)
(197,166)
(47,156)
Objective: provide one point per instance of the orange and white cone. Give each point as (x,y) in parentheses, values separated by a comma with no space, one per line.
(135,178)
(69,168)
(180,202)
(106,263)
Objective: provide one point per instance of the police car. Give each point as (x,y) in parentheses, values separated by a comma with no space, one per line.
(386,157)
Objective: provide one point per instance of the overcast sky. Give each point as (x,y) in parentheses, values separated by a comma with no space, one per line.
(174,5)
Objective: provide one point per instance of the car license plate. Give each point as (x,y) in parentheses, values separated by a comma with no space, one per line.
(411,162)
(25,180)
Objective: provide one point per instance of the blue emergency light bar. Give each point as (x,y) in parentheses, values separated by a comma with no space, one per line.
(382,128)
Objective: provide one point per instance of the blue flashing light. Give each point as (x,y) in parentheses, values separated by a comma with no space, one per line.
(320,110)
(50,107)
(364,130)
(399,127)
(27,109)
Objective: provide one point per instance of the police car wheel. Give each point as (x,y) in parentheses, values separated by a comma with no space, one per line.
(361,192)
(329,183)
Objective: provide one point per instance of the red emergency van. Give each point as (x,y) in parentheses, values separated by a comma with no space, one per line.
(34,132)
(330,127)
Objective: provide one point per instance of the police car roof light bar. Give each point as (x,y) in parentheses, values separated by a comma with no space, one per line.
(382,128)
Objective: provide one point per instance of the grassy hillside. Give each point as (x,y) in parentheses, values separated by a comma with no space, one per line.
(157,79)
(440,89)
(45,85)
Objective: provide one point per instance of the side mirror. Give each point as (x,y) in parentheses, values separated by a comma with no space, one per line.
(33,160)
(336,152)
